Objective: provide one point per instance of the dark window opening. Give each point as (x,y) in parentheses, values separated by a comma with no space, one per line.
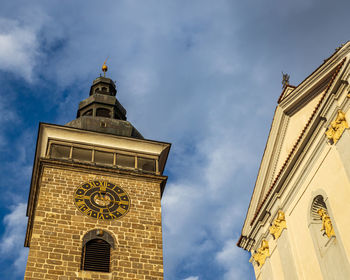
(96,256)
(317,204)
(104,89)
(104,157)
(126,161)
(82,154)
(146,164)
(88,113)
(102,112)
(59,151)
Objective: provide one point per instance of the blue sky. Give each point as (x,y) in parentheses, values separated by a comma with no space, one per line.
(203,75)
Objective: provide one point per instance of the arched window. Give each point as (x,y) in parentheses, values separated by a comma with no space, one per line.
(88,113)
(321,221)
(102,112)
(328,246)
(96,253)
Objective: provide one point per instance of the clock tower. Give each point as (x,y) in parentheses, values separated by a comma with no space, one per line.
(94,207)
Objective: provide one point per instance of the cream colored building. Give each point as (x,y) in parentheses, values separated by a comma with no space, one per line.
(298,222)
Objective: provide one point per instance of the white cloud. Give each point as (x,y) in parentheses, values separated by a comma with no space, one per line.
(192,278)
(206,206)
(14,228)
(19,48)
(187,72)
(231,259)
(11,243)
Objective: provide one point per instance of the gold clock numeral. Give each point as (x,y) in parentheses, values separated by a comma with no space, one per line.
(88,211)
(122,210)
(114,216)
(100,216)
(123,202)
(103,186)
(82,208)
(80,203)
(82,197)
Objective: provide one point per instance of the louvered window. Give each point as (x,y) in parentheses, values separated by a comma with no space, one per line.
(317,204)
(96,255)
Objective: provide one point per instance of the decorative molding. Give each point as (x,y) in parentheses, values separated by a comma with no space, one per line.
(262,253)
(335,73)
(283,130)
(278,225)
(327,226)
(337,127)
(332,69)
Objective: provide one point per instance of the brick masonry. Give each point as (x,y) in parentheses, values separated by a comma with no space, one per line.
(58,227)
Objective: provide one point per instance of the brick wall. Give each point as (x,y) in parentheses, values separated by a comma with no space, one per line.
(58,228)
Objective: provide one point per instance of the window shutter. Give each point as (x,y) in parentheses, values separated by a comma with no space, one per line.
(317,204)
(96,255)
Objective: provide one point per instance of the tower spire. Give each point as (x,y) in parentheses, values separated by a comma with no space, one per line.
(102,112)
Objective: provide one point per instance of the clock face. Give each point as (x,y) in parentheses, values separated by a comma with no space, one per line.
(102,200)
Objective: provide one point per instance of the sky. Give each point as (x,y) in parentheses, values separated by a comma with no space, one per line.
(203,75)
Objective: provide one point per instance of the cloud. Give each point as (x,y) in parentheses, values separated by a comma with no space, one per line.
(8,116)
(11,242)
(206,206)
(19,48)
(192,278)
(19,157)
(231,259)
(176,65)
(204,77)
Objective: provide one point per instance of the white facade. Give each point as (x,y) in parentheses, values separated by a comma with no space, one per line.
(303,170)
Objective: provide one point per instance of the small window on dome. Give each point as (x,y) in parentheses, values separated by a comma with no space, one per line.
(88,113)
(102,112)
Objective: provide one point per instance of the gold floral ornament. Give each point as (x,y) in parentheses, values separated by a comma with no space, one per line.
(278,225)
(326,223)
(262,254)
(337,127)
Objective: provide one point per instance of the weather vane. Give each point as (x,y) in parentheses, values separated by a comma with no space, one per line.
(285,80)
(104,68)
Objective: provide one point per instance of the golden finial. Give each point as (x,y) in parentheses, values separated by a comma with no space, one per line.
(104,68)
